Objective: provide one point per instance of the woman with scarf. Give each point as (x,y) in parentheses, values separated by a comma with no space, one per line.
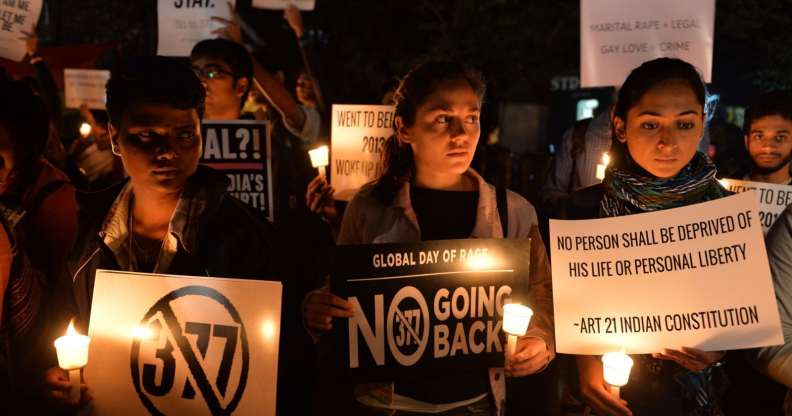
(658,121)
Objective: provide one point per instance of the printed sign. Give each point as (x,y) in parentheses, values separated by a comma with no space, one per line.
(85,86)
(618,35)
(241,149)
(694,276)
(183,23)
(17,16)
(282,4)
(428,306)
(182,345)
(773,199)
(359,133)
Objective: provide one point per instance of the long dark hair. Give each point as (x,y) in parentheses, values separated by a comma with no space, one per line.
(414,89)
(641,80)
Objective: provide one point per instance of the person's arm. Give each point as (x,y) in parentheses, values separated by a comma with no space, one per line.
(776,361)
(308,53)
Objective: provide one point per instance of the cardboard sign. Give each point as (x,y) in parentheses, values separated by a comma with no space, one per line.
(85,86)
(17,16)
(282,4)
(428,306)
(618,35)
(695,276)
(358,140)
(241,149)
(183,23)
(181,345)
(773,199)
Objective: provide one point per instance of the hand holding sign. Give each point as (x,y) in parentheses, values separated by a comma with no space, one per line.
(321,306)
(231,30)
(691,358)
(31,41)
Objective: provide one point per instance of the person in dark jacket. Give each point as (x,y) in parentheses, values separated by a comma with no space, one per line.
(171,215)
(658,122)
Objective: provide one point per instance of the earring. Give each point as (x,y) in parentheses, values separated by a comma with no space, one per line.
(114,149)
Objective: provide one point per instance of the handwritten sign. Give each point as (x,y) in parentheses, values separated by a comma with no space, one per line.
(773,199)
(183,23)
(428,306)
(17,16)
(694,276)
(241,149)
(85,86)
(359,133)
(618,35)
(179,345)
(282,4)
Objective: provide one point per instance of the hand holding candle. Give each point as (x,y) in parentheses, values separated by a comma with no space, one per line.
(72,350)
(616,368)
(602,166)
(319,158)
(516,318)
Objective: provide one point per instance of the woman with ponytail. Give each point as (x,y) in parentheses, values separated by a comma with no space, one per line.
(429,192)
(658,121)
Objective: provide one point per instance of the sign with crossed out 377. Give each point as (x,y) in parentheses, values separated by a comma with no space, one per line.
(166,345)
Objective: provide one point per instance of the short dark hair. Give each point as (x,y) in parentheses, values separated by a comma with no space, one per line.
(233,54)
(154,80)
(776,103)
(25,117)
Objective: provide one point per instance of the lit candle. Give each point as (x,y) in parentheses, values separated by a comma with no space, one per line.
(616,368)
(72,351)
(724,183)
(602,166)
(85,129)
(516,318)
(319,158)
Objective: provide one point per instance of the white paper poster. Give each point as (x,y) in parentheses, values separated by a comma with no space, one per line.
(618,35)
(85,86)
(17,16)
(181,345)
(183,23)
(358,139)
(695,276)
(282,4)
(773,199)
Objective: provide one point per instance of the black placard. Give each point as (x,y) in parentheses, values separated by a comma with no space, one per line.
(427,307)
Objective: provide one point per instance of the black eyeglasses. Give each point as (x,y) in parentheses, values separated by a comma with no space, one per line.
(210,72)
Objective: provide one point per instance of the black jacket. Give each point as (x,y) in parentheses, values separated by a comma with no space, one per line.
(233,240)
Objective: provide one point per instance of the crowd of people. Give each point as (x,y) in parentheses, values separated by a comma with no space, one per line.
(131,195)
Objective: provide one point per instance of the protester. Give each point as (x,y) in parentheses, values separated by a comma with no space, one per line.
(768,126)
(38,213)
(658,122)
(429,192)
(171,215)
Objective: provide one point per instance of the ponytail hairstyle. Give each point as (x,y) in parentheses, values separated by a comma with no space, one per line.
(413,90)
(642,79)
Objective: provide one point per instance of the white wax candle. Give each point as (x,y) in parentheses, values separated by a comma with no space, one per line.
(516,318)
(72,350)
(616,368)
(319,156)
(600,174)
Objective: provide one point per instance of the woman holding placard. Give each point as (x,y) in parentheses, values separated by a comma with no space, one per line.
(658,121)
(429,192)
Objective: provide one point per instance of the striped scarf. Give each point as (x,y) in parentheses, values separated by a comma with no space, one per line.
(629,192)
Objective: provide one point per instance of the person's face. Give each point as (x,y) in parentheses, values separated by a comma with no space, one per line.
(305,91)
(223,94)
(769,144)
(7,158)
(159,145)
(446,129)
(663,129)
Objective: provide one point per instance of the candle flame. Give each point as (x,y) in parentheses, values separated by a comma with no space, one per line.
(605,159)
(480,262)
(85,129)
(724,183)
(70,331)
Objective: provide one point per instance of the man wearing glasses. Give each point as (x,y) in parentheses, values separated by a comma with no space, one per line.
(768,126)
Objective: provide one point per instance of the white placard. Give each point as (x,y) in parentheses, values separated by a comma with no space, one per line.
(282,4)
(695,276)
(182,345)
(773,199)
(17,16)
(85,86)
(618,35)
(359,133)
(183,23)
